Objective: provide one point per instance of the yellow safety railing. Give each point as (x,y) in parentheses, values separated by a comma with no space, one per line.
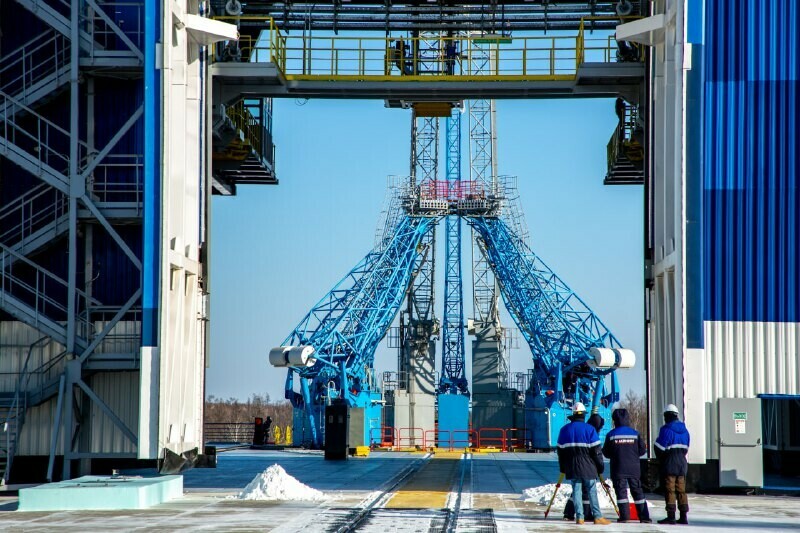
(344,57)
(269,48)
(251,129)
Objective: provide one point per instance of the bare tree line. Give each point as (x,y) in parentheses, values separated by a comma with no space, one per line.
(240,415)
(636,405)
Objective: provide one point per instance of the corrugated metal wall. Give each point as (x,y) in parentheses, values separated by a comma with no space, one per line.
(16,341)
(34,438)
(744,359)
(751,194)
(119,390)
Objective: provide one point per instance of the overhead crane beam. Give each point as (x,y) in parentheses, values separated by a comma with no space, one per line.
(499,15)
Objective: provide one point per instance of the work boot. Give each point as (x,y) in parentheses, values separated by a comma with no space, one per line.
(601,521)
(624,513)
(644,513)
(684,509)
(579,521)
(670,519)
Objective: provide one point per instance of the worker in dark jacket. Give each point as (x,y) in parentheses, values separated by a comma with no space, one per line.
(580,461)
(623,447)
(597,422)
(671,448)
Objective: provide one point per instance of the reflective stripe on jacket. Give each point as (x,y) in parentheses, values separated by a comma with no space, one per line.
(671,448)
(579,455)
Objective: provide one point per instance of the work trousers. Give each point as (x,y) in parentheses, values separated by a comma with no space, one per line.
(577,497)
(569,508)
(676,491)
(621,486)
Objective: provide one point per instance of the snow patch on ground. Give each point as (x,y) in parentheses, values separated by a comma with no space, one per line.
(541,495)
(275,484)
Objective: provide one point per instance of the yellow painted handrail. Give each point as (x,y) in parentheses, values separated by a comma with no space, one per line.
(379,58)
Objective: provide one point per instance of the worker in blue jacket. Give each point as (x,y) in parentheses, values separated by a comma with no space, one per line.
(623,447)
(580,460)
(597,422)
(671,448)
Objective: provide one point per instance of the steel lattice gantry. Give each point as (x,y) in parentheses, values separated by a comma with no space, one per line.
(340,334)
(572,349)
(453,372)
(331,350)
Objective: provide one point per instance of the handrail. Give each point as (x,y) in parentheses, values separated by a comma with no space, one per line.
(53,52)
(31,218)
(483,440)
(24,197)
(133,26)
(368,58)
(104,187)
(41,300)
(37,135)
(415,434)
(15,409)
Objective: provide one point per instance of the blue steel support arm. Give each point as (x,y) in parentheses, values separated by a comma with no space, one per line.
(346,325)
(559,327)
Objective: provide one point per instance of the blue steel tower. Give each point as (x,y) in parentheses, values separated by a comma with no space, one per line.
(453,378)
(453,398)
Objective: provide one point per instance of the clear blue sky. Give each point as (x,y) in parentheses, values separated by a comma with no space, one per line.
(277,249)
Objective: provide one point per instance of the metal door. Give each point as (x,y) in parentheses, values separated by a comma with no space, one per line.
(740,447)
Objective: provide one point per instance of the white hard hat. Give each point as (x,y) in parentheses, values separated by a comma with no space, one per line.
(578,407)
(672,408)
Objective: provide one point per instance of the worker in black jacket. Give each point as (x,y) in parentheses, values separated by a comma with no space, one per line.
(623,447)
(580,460)
(671,448)
(597,422)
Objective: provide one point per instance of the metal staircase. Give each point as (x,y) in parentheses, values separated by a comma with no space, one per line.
(56,15)
(32,221)
(625,150)
(37,144)
(100,33)
(12,415)
(35,71)
(59,187)
(34,295)
(243,151)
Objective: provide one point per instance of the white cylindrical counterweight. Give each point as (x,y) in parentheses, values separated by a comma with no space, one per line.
(627,358)
(284,356)
(603,357)
(279,356)
(301,356)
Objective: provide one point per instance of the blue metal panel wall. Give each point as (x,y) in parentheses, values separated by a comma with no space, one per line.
(115,278)
(750,194)
(694,176)
(151,229)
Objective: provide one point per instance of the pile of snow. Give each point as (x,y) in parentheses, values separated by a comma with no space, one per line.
(275,484)
(541,495)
